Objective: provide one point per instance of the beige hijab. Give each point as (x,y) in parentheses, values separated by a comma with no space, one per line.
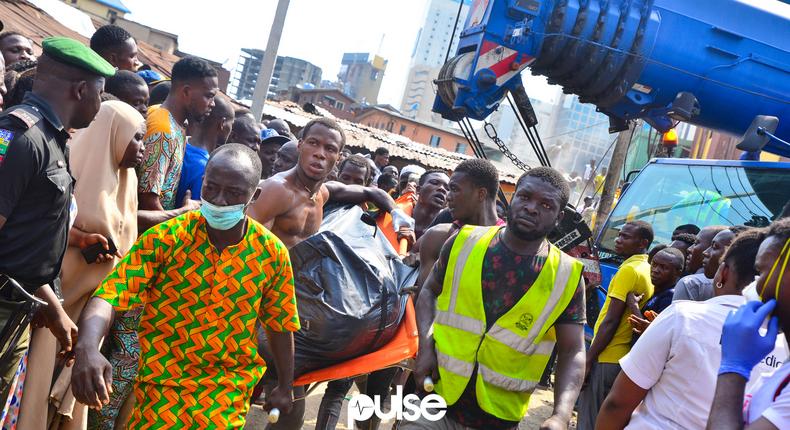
(106,194)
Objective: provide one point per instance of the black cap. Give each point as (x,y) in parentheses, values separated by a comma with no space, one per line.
(276,140)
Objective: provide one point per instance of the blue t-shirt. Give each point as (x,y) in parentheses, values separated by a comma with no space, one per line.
(195,160)
(659,301)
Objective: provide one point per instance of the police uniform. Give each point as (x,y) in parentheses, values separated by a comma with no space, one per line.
(35,189)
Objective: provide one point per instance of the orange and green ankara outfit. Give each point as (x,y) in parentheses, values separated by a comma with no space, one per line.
(198,348)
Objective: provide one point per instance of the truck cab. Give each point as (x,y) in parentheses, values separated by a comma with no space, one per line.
(670,192)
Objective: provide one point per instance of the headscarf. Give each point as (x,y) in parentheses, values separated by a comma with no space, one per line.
(106,197)
(106,193)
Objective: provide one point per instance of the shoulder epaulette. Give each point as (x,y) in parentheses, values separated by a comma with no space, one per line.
(27,114)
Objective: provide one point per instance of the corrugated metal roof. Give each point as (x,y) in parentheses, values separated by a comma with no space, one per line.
(35,23)
(363,137)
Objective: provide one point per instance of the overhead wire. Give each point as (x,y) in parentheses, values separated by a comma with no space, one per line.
(597,164)
(452,37)
(578,129)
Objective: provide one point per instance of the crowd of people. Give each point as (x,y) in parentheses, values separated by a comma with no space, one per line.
(153,218)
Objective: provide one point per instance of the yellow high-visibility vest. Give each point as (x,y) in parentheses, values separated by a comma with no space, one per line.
(513,354)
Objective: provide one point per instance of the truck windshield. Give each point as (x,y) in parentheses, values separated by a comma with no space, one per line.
(669,195)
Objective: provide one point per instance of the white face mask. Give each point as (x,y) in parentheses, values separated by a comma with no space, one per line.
(750,291)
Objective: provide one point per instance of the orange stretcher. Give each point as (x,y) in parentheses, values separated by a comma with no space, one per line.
(401,348)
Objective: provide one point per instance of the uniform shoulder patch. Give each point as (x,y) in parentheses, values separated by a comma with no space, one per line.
(6,136)
(27,117)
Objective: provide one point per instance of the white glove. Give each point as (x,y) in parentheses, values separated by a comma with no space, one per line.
(400,219)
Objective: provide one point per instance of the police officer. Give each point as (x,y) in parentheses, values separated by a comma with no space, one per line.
(36,185)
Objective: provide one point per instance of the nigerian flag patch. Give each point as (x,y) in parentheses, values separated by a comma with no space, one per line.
(5,139)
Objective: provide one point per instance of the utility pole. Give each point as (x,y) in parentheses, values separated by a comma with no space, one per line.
(269,58)
(613,175)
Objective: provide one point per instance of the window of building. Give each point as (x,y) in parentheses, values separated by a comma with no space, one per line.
(460,148)
(402,129)
(389,126)
(435,141)
(340,105)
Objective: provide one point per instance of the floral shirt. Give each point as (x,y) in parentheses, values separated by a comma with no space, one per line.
(160,171)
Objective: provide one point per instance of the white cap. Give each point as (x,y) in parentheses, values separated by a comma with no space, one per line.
(412,168)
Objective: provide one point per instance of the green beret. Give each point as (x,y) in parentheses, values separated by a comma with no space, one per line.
(76,54)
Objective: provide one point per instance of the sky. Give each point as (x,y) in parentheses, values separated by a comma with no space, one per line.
(317,31)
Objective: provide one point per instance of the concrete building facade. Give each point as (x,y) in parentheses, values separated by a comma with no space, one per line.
(582,133)
(425,133)
(331,99)
(360,76)
(104,10)
(429,53)
(162,40)
(288,72)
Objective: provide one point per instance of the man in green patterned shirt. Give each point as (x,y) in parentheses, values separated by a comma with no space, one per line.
(203,279)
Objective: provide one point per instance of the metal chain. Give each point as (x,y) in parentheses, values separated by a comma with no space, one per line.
(491,132)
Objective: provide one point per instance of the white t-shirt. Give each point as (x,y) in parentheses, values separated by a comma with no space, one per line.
(768,399)
(677,360)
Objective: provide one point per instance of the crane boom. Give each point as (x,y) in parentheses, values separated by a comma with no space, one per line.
(631,58)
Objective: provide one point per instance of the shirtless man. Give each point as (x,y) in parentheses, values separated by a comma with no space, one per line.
(471,200)
(293,202)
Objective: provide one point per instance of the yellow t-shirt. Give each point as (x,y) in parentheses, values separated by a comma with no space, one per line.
(598,182)
(632,277)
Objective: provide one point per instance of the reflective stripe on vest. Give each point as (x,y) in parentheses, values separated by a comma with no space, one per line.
(506,382)
(455,365)
(509,363)
(460,322)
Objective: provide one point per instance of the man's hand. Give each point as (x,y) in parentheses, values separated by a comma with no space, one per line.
(91,380)
(408,234)
(94,238)
(632,303)
(426,365)
(189,204)
(638,325)
(401,220)
(554,422)
(53,317)
(281,398)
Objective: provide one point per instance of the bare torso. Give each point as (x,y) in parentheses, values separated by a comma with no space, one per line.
(288,209)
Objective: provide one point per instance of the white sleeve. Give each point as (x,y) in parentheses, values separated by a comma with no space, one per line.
(779,412)
(646,361)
